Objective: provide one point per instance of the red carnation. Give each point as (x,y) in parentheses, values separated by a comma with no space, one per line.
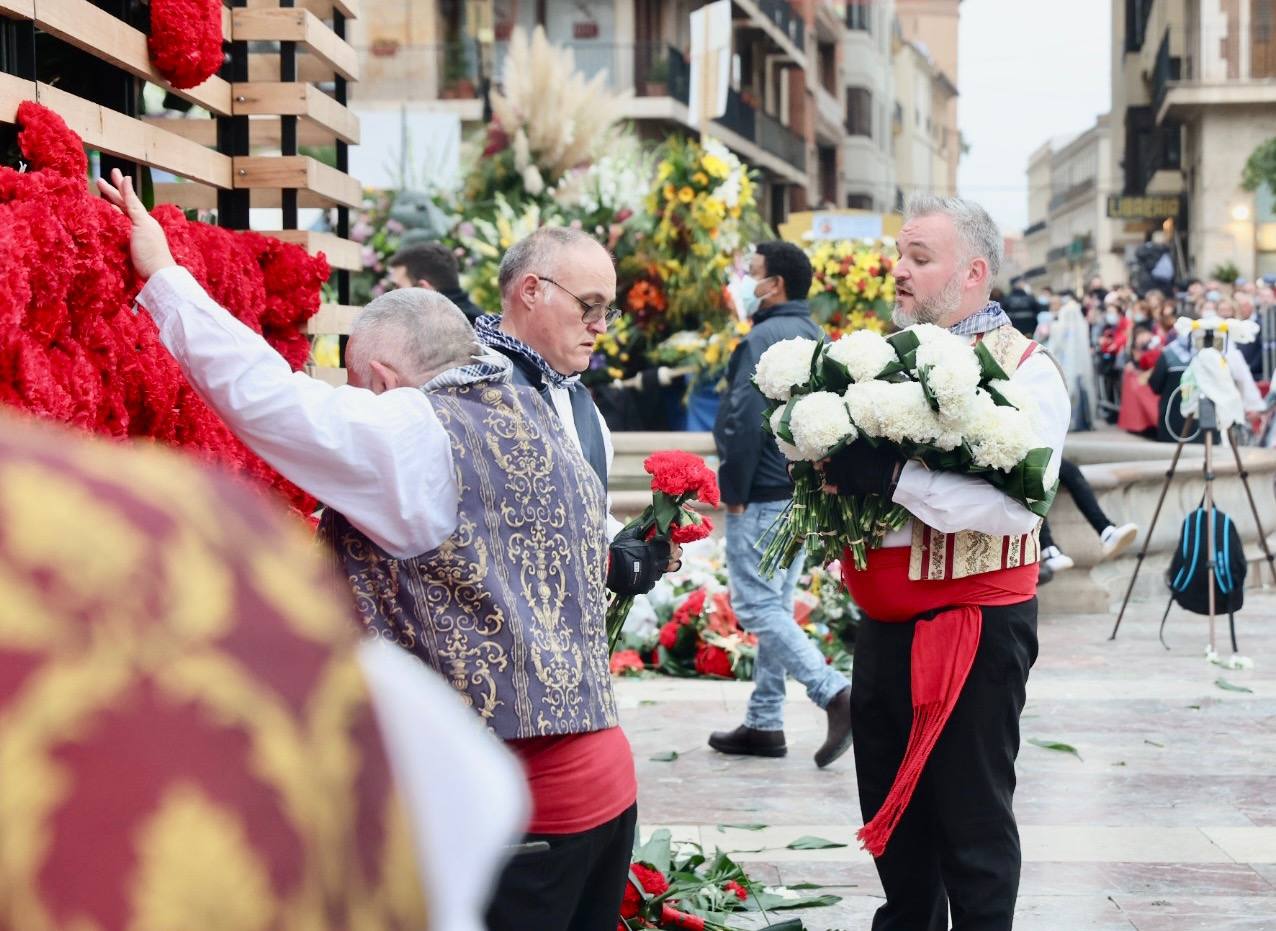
(740,892)
(47,143)
(186,40)
(679,474)
(713,661)
(691,608)
(690,532)
(626,663)
(669,634)
(653,883)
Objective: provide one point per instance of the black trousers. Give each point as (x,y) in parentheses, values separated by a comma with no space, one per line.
(575,885)
(957,845)
(1071,478)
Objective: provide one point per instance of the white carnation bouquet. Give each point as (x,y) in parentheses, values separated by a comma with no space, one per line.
(924,390)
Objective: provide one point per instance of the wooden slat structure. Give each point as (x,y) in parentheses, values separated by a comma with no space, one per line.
(241,149)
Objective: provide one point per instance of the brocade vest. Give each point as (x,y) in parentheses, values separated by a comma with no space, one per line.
(937,555)
(511,608)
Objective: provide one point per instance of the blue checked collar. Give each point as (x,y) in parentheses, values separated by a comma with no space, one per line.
(488,328)
(983,321)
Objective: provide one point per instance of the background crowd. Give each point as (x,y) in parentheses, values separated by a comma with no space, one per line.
(1123,359)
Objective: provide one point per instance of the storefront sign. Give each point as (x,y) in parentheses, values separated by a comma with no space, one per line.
(1146,207)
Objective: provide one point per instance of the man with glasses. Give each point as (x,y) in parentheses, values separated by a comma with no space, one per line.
(558,288)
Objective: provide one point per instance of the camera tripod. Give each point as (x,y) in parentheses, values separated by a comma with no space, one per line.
(1208,422)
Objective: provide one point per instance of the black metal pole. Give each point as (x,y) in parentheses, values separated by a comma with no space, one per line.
(288,125)
(232,139)
(343,165)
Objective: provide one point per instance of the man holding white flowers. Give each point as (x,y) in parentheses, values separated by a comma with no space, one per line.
(942,657)
(756,488)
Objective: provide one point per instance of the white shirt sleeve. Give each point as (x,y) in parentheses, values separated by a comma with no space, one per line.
(383,461)
(950,502)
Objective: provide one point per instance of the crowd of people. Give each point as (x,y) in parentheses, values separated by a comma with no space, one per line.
(1123,358)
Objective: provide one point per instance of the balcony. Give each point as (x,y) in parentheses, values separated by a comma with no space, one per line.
(1220,66)
(1149,149)
(1071,193)
(1034,228)
(781,141)
(785,19)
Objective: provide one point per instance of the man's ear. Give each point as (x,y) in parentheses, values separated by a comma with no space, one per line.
(977,274)
(425,285)
(529,290)
(384,378)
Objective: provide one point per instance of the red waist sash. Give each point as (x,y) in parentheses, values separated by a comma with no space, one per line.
(944,645)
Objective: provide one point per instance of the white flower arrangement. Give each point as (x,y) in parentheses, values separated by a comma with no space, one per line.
(952,373)
(787,450)
(863,352)
(999,436)
(784,366)
(819,422)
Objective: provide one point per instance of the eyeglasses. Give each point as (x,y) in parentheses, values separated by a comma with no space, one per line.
(592,312)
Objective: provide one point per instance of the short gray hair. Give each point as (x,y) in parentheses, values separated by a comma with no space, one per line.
(975,228)
(418,331)
(536,250)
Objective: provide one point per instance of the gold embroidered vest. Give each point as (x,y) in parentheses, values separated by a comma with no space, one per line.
(937,555)
(511,608)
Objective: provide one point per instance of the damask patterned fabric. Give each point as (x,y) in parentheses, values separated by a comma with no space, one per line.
(186,738)
(936,555)
(511,609)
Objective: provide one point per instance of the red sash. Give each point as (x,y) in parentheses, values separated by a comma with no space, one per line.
(944,647)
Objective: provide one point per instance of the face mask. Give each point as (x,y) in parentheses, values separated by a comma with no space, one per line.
(1112,318)
(1140,318)
(746,296)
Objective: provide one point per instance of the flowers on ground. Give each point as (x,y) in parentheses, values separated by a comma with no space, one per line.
(852,287)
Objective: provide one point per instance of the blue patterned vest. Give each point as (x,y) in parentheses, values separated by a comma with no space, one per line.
(511,608)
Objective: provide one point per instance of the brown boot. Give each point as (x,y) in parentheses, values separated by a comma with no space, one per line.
(747,741)
(838,740)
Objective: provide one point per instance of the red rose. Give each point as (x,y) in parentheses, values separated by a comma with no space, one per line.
(713,661)
(626,662)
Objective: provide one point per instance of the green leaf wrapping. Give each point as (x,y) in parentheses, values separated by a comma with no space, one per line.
(923,378)
(786,431)
(990,369)
(836,377)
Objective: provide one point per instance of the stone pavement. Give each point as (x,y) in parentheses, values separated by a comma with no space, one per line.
(1168,820)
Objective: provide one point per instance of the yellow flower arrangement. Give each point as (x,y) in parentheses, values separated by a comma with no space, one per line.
(852,287)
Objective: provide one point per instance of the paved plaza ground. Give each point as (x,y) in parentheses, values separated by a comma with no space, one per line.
(1168,820)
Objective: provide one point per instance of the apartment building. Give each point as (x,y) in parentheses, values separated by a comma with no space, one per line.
(1193,94)
(787,107)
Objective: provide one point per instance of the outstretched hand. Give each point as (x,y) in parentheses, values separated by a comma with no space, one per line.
(148,244)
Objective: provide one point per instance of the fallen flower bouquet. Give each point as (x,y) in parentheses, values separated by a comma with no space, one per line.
(932,395)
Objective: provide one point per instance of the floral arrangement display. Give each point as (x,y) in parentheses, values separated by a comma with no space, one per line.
(924,390)
(185,42)
(615,355)
(852,287)
(677,478)
(704,352)
(547,119)
(686,627)
(704,211)
(70,348)
(676,886)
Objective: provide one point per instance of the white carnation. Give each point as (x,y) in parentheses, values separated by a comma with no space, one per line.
(929,333)
(906,415)
(784,366)
(953,375)
(788,450)
(864,401)
(818,423)
(999,437)
(1020,398)
(864,353)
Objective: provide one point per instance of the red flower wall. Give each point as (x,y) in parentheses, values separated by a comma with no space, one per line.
(72,350)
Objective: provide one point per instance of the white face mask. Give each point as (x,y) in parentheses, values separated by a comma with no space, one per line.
(745,293)
(1112,317)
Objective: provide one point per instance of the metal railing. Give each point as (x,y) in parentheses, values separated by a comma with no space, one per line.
(784,16)
(1081,187)
(781,141)
(1035,228)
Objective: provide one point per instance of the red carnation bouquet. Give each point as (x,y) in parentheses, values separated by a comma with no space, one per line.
(186,40)
(676,478)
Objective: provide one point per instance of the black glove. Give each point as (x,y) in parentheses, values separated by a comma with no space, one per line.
(864,469)
(635,564)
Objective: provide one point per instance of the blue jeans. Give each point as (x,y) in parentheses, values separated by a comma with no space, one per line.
(765,608)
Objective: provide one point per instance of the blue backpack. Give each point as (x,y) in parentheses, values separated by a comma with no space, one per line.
(1188,575)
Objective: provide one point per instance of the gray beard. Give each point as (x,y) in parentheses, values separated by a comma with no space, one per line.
(931,309)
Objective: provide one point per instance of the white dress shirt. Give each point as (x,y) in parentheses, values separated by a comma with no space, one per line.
(950,502)
(382,460)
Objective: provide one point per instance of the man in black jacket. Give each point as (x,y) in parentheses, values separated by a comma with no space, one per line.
(432,265)
(756,487)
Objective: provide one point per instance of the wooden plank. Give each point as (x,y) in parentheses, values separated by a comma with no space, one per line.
(274,98)
(202,197)
(300,172)
(297,25)
(262,131)
(117,134)
(321,8)
(85,26)
(332,318)
(335,377)
(264,66)
(341,253)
